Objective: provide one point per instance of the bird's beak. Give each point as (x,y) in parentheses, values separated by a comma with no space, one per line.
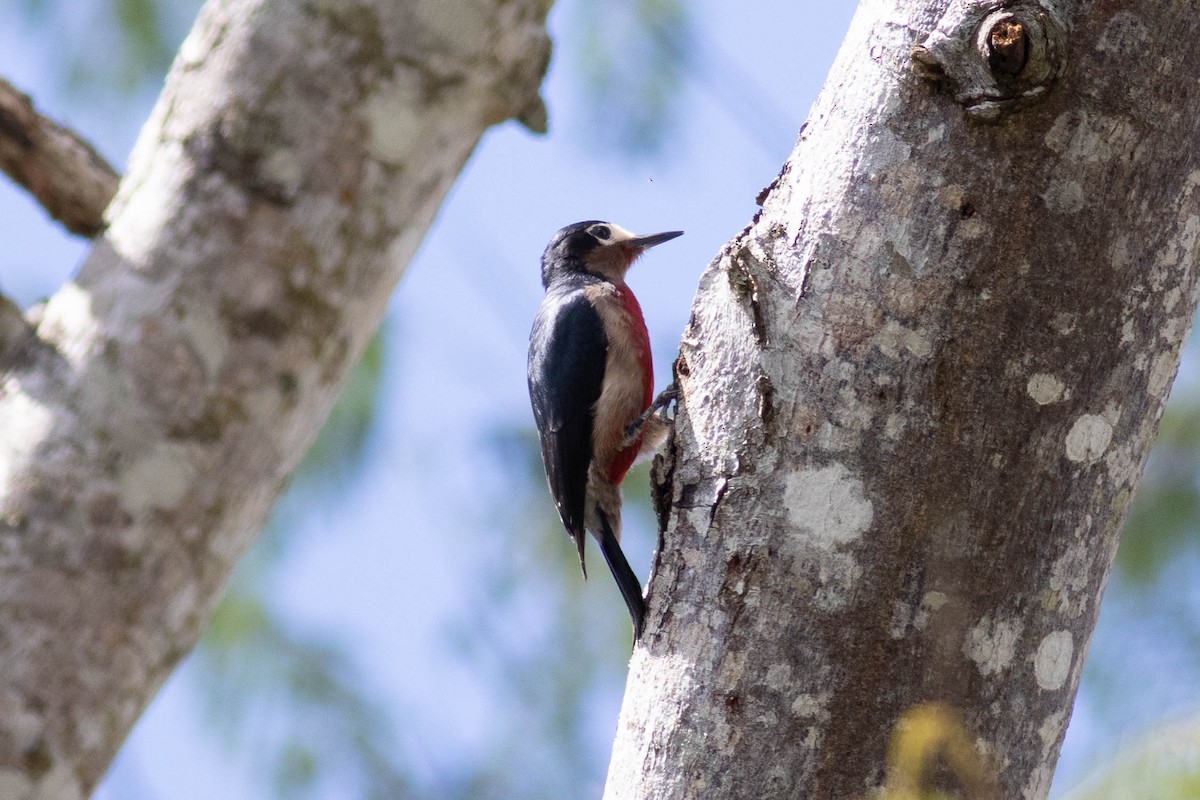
(646,242)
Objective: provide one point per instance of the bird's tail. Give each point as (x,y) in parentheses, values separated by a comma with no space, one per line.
(578,536)
(627,582)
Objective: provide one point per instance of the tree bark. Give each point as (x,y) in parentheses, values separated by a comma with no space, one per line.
(63,172)
(291,167)
(918,392)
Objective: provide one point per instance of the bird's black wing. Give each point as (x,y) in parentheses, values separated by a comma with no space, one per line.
(567,352)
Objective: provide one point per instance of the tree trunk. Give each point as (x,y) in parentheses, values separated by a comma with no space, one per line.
(151,414)
(918,393)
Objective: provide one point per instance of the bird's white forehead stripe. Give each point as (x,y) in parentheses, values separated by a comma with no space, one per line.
(619,234)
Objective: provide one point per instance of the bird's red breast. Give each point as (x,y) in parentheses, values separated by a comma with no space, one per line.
(640,339)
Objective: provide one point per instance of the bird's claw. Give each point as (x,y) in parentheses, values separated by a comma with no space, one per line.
(664,399)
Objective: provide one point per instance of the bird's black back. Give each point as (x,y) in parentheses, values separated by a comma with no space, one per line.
(567,352)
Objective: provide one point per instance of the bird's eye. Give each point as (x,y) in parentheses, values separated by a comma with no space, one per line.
(601,232)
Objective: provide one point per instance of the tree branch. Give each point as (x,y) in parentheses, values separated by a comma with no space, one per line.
(62,171)
(295,159)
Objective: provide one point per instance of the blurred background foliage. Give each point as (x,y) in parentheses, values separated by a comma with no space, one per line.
(298,704)
(634,56)
(1161,765)
(109,44)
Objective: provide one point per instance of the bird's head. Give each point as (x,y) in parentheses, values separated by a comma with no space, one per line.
(598,248)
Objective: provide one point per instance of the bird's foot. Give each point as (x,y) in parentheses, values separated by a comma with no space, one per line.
(664,399)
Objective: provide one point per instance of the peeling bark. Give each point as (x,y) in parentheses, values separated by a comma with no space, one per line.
(291,167)
(918,392)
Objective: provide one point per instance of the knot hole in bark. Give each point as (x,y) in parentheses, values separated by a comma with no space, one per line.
(994,58)
(1008,46)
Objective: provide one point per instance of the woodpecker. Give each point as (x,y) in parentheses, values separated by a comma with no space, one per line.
(591,382)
